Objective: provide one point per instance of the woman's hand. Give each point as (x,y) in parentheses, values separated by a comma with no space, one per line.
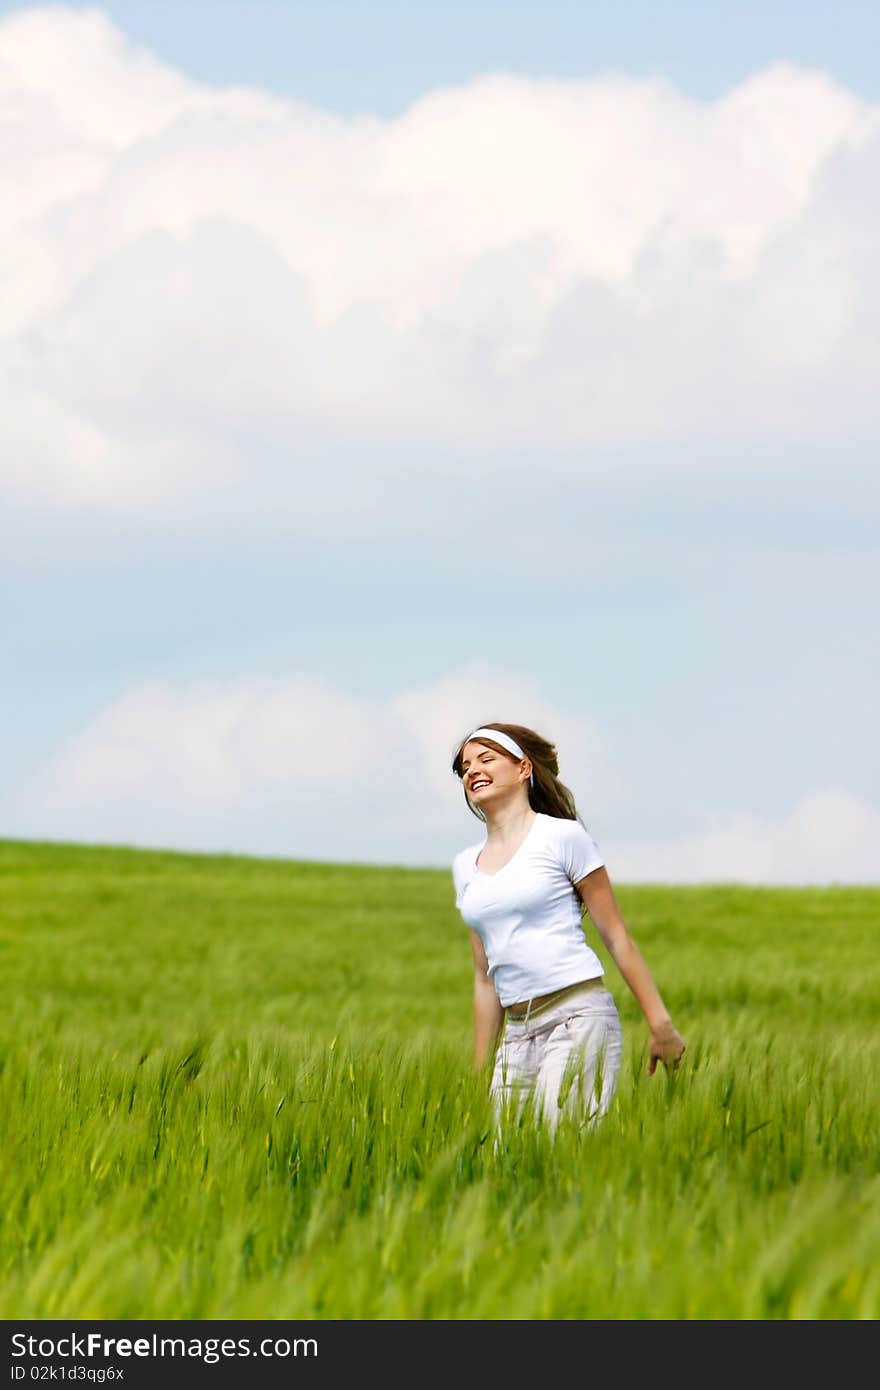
(667,1045)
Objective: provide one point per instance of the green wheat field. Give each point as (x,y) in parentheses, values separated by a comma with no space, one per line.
(236,1088)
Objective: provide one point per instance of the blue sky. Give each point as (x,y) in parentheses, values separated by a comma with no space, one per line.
(380,56)
(477,362)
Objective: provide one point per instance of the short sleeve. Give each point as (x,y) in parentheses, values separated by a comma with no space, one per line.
(578,851)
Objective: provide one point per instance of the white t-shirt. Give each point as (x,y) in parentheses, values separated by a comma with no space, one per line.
(528,914)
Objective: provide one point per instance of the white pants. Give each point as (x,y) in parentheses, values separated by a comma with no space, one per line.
(567,1058)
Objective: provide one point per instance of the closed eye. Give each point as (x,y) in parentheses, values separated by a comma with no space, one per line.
(486,758)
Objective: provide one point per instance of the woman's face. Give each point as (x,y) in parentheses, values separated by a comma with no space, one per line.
(489,776)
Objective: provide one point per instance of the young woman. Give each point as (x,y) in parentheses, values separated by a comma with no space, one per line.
(540,1001)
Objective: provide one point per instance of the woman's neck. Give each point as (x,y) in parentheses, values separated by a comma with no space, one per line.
(508,823)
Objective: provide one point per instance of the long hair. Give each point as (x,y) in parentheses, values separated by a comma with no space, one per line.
(548,794)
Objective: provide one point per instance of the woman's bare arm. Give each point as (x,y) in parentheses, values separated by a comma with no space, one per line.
(488,1010)
(667,1045)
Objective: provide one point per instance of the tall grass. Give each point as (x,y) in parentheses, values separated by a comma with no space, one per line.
(235,1088)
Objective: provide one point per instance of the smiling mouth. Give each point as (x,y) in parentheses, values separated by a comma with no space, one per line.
(478,786)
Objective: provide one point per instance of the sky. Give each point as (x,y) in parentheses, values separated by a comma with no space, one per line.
(374,372)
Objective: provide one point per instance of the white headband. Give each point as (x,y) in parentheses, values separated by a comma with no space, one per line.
(506,742)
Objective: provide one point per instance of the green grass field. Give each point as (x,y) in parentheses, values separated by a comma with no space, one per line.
(242,1088)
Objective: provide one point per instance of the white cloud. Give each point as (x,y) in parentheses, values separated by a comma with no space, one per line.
(298,768)
(830,837)
(213,745)
(196,281)
(289,766)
